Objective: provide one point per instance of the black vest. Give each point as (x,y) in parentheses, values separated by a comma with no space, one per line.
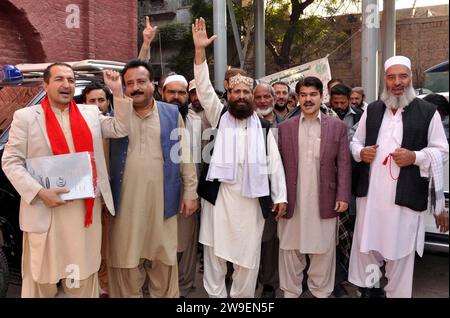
(209,190)
(412,189)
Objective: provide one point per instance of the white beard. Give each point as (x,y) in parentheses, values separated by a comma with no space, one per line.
(396,102)
(264,112)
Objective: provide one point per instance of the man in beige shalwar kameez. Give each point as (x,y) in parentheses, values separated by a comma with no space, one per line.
(143,241)
(56,242)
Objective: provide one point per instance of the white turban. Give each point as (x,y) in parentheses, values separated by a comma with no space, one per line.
(175,78)
(397,60)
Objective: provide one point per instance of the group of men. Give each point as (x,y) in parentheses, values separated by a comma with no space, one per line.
(272,202)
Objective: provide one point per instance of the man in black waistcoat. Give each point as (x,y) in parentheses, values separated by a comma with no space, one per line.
(399,138)
(234,184)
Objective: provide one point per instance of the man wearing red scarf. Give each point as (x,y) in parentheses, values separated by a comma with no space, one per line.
(61,240)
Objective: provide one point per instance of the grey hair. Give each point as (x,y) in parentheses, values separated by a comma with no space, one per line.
(358,90)
(267,85)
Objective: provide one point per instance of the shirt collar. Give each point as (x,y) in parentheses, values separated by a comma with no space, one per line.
(319,116)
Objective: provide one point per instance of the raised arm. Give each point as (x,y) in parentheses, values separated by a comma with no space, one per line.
(148,35)
(201,40)
(117,126)
(205,91)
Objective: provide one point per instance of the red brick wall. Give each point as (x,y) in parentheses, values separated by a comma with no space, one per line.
(424,40)
(107,30)
(12,48)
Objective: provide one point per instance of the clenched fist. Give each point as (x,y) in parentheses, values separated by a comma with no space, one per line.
(114,82)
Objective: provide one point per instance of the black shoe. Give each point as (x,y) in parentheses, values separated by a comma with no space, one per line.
(268,292)
(340,291)
(372,292)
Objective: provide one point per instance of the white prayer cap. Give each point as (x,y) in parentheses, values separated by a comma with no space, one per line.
(192,85)
(175,78)
(397,60)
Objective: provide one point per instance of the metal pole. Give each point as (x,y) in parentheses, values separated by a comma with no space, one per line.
(388,31)
(160,54)
(220,44)
(236,34)
(369,49)
(260,47)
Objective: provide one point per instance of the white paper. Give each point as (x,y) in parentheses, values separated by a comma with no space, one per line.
(71,171)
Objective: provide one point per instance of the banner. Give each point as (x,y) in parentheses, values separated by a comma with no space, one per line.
(319,68)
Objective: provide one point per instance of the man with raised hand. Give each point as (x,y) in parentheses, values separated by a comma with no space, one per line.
(61,239)
(235,193)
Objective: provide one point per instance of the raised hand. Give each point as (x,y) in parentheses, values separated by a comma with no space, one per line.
(149,32)
(201,40)
(114,82)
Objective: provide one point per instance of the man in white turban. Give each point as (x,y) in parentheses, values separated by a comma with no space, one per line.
(398,144)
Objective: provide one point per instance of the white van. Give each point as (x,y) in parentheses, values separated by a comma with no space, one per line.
(434,240)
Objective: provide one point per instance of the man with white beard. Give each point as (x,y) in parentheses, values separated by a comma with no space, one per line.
(399,138)
(264,101)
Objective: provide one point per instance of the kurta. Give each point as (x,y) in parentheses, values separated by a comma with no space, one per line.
(67,242)
(392,230)
(187,226)
(306,231)
(140,230)
(233,226)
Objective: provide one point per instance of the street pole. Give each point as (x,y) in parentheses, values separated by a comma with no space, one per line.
(388,30)
(260,47)
(220,44)
(369,49)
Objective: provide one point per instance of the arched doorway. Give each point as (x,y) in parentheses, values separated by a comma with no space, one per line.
(20,42)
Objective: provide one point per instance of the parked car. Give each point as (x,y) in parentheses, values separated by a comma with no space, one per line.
(22,87)
(434,240)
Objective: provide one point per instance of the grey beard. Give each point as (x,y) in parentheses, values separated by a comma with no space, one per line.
(396,102)
(264,112)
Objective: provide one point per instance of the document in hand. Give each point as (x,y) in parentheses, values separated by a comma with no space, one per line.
(71,171)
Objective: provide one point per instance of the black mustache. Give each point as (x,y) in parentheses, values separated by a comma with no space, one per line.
(308,104)
(137,93)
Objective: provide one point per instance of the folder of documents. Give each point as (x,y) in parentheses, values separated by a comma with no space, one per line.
(71,171)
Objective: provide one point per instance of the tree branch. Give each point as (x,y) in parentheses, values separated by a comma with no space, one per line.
(273,51)
(298,9)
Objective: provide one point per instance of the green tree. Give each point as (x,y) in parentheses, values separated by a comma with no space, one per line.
(293,36)
(183,62)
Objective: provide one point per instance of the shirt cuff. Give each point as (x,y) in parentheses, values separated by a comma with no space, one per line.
(357,153)
(190,195)
(423,162)
(420,157)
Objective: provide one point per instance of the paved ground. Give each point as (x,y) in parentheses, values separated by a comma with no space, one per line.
(431,280)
